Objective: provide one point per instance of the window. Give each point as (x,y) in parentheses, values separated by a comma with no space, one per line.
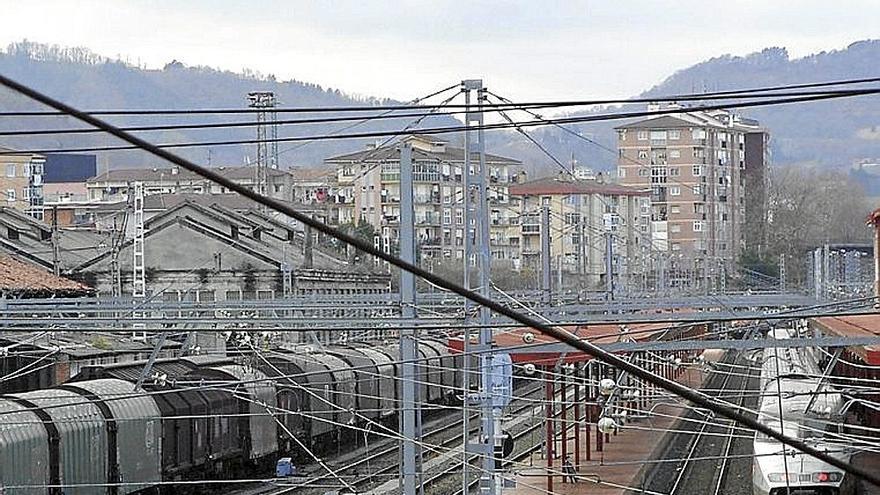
(698,226)
(675,227)
(675,209)
(572,218)
(621,172)
(697,170)
(459,217)
(674,191)
(10,195)
(575,239)
(698,189)
(10,170)
(699,134)
(643,154)
(644,172)
(674,153)
(676,246)
(675,134)
(447,216)
(674,171)
(642,136)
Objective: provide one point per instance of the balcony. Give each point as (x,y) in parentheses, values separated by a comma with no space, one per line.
(428,219)
(531,228)
(434,242)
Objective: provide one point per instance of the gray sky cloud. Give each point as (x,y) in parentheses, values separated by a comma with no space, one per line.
(525,49)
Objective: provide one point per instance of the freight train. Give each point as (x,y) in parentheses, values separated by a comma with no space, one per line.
(811,411)
(204,417)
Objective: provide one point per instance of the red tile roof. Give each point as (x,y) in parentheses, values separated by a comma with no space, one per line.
(597,334)
(855,326)
(562,185)
(19,276)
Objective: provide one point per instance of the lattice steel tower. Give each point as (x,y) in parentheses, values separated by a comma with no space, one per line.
(267,138)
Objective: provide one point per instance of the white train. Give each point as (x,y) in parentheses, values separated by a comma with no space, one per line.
(792,375)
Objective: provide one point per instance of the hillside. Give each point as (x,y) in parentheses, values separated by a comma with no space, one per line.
(89,81)
(831,134)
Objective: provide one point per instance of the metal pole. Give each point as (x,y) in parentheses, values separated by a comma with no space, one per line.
(466,282)
(877,262)
(491,415)
(545,254)
(407,335)
(609,266)
(548,388)
(577,419)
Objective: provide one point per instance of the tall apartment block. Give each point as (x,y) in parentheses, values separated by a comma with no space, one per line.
(369,187)
(707,172)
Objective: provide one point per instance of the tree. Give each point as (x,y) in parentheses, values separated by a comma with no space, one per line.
(810,207)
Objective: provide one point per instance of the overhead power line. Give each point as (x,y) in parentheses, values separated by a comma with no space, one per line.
(453,129)
(544,104)
(387,115)
(563,336)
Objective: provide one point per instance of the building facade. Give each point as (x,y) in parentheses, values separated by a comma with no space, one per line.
(369,191)
(21,182)
(585,216)
(705,182)
(113,185)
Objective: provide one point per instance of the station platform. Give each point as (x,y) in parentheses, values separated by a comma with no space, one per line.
(614,470)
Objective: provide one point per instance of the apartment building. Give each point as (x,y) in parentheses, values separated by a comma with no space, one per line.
(21,182)
(585,214)
(368,184)
(707,175)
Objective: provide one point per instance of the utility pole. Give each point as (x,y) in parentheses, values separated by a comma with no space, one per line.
(139,275)
(56,262)
(609,264)
(782,281)
(491,416)
(139,279)
(408,351)
(546,290)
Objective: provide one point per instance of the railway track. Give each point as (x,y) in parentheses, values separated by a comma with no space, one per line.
(446,479)
(366,467)
(703,448)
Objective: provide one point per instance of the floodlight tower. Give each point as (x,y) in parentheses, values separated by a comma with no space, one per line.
(267,137)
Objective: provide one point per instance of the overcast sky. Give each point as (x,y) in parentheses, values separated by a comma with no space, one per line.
(527,50)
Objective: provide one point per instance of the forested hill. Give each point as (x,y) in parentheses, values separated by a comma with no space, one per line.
(90,81)
(832,134)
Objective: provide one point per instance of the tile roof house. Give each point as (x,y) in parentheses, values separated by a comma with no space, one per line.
(19,279)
